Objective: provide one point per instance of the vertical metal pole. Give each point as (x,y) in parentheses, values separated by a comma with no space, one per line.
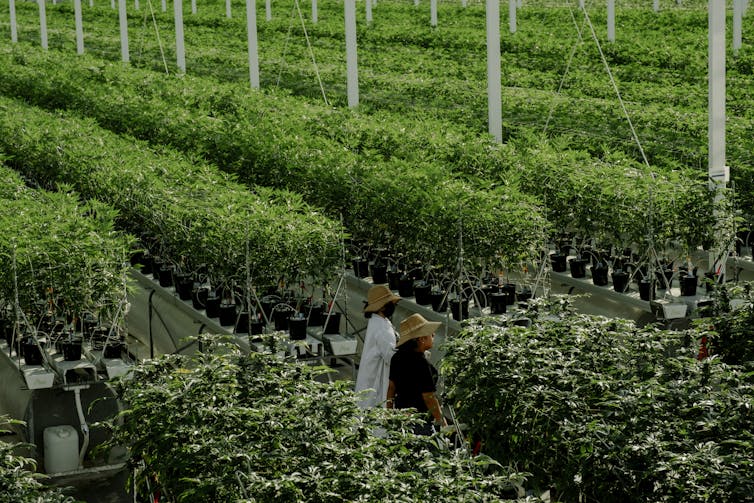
(193,6)
(136,4)
(717,172)
(314,11)
(738,12)
(251,30)
(267,10)
(352,69)
(611,20)
(13,28)
(164,6)
(494,99)
(463,3)
(433,12)
(79,26)
(581,4)
(512,16)
(123,22)
(227,9)
(42,22)
(656,5)
(180,50)
(368,6)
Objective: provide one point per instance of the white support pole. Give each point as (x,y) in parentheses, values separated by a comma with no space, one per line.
(164,5)
(581,4)
(251,33)
(738,12)
(494,99)
(717,172)
(13,28)
(611,20)
(416,3)
(91,3)
(267,10)
(433,12)
(352,69)
(463,3)
(136,4)
(112,4)
(368,6)
(123,22)
(314,11)
(227,9)
(42,22)
(79,26)
(519,3)
(180,50)
(656,5)
(512,16)
(193,6)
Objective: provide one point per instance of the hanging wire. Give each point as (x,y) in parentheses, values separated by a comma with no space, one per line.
(311,53)
(159,40)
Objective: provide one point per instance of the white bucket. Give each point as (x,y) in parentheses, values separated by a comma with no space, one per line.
(61,444)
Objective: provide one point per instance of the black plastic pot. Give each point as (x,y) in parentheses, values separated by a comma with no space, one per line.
(646,289)
(313,313)
(406,287)
(212,305)
(280,315)
(166,276)
(524,295)
(31,353)
(620,281)
(578,267)
(71,350)
(510,290)
(558,261)
(421,293)
(599,274)
(184,284)
(157,264)
(199,297)
(331,324)
(244,327)
(360,267)
(379,274)
(142,261)
(710,279)
(297,328)
(114,349)
(227,315)
(482,296)
(662,276)
(498,302)
(438,301)
(459,309)
(393,279)
(688,285)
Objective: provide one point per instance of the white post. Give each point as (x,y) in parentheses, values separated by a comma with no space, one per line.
(42,22)
(581,4)
(112,4)
(267,10)
(368,5)
(611,20)
(512,16)
(164,6)
(314,11)
(519,3)
(136,4)
(738,11)
(416,3)
(227,9)
(180,50)
(91,3)
(251,31)
(79,26)
(123,22)
(494,98)
(656,5)
(193,6)
(463,3)
(352,69)
(717,172)
(433,12)
(13,29)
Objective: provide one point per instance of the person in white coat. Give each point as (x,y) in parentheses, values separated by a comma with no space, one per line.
(379,347)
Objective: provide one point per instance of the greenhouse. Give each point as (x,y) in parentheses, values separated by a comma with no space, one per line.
(376,251)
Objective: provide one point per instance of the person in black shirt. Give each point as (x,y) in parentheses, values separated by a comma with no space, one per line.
(413,380)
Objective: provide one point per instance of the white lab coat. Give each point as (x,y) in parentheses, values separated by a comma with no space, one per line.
(374,367)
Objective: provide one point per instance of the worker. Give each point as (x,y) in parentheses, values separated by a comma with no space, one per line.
(413,380)
(379,347)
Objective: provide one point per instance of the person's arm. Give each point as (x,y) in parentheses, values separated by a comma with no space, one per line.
(430,400)
(390,395)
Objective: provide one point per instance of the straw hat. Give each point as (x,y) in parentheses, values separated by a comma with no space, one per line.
(416,326)
(377,297)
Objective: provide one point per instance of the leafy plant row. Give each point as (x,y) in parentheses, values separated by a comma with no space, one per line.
(601,410)
(412,207)
(225,427)
(58,254)
(183,210)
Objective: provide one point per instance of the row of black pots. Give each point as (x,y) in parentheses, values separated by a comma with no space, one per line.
(296,324)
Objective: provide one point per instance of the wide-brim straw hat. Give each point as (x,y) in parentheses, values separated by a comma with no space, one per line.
(377,297)
(416,326)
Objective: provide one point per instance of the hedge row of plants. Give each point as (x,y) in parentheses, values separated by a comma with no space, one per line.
(411,207)
(185,211)
(602,410)
(58,254)
(664,92)
(221,426)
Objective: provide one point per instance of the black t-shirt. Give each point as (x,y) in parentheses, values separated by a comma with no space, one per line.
(412,375)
